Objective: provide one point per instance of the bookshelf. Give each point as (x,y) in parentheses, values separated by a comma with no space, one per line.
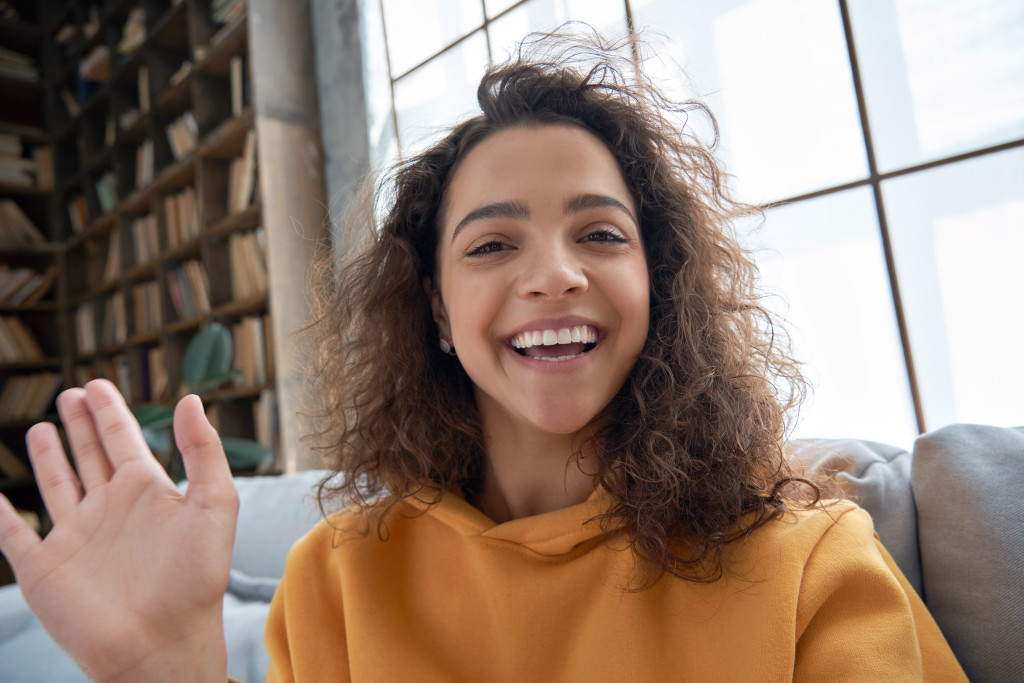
(31,256)
(170,172)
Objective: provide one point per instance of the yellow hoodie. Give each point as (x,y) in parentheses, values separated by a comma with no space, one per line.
(452,596)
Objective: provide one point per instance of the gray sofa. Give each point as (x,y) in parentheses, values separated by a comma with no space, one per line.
(950,512)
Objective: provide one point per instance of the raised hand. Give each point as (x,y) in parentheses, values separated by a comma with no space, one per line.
(131,579)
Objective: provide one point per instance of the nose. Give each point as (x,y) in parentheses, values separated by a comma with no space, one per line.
(552,271)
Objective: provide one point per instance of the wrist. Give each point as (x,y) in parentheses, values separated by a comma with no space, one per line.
(200,655)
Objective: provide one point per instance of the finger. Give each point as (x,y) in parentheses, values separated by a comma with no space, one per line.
(116,426)
(93,467)
(209,476)
(17,538)
(56,480)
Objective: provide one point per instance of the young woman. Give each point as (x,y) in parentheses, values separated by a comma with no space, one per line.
(560,410)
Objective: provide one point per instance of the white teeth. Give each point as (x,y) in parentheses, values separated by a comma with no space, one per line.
(565,335)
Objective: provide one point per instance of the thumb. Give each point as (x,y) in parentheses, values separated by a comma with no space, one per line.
(209,475)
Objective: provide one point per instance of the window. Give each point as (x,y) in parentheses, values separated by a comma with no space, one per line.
(885,139)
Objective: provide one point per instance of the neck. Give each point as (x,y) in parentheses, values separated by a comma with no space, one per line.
(530,473)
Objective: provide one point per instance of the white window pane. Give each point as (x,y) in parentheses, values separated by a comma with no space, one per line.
(940,76)
(606,16)
(377,83)
(958,236)
(824,258)
(777,75)
(438,95)
(419,28)
(496,7)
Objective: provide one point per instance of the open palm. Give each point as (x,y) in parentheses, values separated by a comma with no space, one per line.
(130,581)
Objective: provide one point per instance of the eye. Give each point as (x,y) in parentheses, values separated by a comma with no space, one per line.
(605,235)
(491,247)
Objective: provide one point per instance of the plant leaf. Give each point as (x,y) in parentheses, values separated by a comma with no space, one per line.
(210,383)
(158,440)
(154,415)
(243,453)
(207,355)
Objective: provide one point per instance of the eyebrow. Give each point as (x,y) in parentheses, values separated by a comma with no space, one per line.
(518,210)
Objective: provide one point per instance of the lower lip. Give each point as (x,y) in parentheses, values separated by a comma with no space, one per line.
(553,365)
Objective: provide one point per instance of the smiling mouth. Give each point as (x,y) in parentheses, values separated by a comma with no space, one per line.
(562,344)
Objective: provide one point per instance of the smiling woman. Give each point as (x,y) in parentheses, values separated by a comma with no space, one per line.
(552,395)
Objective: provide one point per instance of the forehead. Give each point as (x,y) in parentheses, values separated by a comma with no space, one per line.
(533,165)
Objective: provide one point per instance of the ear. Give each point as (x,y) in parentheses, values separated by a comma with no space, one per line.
(437,309)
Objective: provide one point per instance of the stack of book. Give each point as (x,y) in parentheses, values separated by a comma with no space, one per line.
(145,242)
(17,66)
(183,134)
(15,226)
(115,321)
(189,289)
(17,345)
(248,255)
(25,168)
(182,214)
(242,176)
(249,336)
(25,286)
(146,306)
(26,397)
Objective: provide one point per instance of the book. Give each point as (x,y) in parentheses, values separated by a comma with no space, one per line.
(19,345)
(95,66)
(26,397)
(78,212)
(145,240)
(182,215)
(134,33)
(112,269)
(43,156)
(144,164)
(85,328)
(246,181)
(239,84)
(15,226)
(106,191)
(35,289)
(183,135)
(143,84)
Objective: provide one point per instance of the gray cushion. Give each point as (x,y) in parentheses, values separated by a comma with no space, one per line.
(967,481)
(876,477)
(274,513)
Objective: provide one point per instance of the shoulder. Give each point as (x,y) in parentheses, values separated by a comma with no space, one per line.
(837,532)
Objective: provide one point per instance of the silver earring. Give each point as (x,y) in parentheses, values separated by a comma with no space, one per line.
(446,347)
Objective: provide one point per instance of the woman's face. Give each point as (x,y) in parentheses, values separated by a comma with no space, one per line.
(543,286)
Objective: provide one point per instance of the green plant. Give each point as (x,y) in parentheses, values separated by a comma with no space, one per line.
(206,366)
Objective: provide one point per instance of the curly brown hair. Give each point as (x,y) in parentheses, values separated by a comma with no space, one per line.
(692,453)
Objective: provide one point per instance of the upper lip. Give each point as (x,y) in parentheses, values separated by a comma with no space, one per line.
(554,324)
